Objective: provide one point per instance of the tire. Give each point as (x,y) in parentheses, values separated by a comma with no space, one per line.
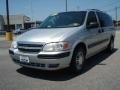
(78,60)
(110,47)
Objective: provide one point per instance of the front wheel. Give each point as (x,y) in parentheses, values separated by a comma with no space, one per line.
(78,59)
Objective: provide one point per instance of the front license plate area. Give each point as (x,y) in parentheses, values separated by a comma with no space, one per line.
(24,59)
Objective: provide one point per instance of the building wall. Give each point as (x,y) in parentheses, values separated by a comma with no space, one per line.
(16,21)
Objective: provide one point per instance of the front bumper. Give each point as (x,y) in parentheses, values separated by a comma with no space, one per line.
(43,61)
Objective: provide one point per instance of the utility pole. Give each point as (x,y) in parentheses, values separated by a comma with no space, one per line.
(31,7)
(116,13)
(66,5)
(9,36)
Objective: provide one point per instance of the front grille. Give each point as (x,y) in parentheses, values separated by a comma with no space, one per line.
(29,48)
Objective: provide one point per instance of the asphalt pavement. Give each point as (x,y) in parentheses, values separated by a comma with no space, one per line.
(102,72)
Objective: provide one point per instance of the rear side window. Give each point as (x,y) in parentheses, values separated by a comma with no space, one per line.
(105,20)
(91,17)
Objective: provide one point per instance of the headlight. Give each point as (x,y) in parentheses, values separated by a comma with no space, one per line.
(14,45)
(57,46)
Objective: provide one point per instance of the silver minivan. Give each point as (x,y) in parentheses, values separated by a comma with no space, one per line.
(64,40)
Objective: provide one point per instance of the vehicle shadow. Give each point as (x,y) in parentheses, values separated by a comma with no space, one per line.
(66,74)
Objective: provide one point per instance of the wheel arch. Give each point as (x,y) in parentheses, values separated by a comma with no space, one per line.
(81,44)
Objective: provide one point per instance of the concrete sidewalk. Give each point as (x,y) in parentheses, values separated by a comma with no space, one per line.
(4,43)
(2,38)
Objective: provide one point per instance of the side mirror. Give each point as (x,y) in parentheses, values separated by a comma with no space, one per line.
(92,25)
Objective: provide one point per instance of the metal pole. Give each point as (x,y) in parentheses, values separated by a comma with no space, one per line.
(66,5)
(116,16)
(7,9)
(9,36)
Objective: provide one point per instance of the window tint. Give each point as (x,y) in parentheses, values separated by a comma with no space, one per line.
(91,17)
(105,20)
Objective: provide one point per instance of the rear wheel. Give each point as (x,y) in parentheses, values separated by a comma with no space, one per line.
(111,45)
(78,59)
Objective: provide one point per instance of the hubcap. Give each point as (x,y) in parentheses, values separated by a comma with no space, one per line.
(79,60)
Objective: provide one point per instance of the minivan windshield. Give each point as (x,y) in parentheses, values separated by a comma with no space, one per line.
(63,20)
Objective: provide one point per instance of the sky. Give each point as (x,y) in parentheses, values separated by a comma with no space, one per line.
(40,9)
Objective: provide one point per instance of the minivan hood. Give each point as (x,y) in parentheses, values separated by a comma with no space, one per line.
(47,35)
